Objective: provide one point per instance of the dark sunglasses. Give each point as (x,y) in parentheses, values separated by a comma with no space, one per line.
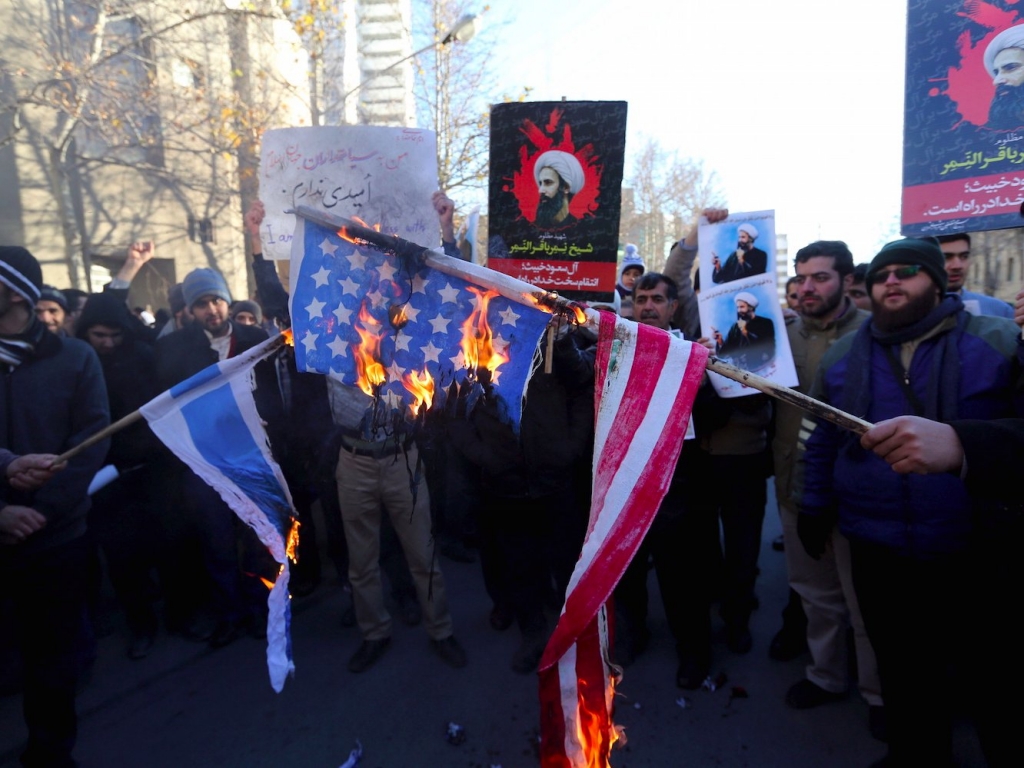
(901,273)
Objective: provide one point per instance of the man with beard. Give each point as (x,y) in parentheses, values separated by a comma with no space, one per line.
(925,554)
(559,176)
(826,605)
(750,343)
(212,337)
(744,262)
(1004,61)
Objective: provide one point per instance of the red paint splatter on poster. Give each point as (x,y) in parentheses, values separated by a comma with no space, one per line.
(523,184)
(969,86)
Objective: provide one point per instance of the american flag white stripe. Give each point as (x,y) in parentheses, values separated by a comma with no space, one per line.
(645,386)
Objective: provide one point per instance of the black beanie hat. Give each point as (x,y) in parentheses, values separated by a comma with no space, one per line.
(923,251)
(49,293)
(20,272)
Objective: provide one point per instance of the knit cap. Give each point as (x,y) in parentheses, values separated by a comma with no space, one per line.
(204,282)
(631,259)
(923,251)
(49,293)
(244,305)
(20,272)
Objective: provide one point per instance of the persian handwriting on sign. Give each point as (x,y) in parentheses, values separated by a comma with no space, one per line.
(313,192)
(1010,138)
(551,249)
(973,208)
(980,161)
(294,157)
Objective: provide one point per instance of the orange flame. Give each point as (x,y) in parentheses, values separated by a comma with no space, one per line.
(477,337)
(344,234)
(581,316)
(597,743)
(421,386)
(267,583)
(289,337)
(291,547)
(397,316)
(369,371)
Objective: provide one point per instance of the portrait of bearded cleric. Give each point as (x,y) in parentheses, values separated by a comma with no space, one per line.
(559,176)
(1004,63)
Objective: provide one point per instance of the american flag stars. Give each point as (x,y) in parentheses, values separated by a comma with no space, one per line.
(341,286)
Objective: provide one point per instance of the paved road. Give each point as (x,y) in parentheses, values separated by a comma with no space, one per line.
(189,707)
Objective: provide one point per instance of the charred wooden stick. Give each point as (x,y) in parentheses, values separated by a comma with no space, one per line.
(507,286)
(791,396)
(525,293)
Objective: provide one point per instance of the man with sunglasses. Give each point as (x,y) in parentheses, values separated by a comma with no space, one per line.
(921,545)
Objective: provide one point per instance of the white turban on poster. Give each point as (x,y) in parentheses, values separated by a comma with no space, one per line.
(747,297)
(1013,37)
(565,165)
(750,229)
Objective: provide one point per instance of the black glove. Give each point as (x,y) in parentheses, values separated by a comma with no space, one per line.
(814,531)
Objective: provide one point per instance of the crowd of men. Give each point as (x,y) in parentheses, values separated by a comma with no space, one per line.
(899,538)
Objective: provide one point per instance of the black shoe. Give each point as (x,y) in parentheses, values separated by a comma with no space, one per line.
(409,610)
(140,646)
(198,630)
(225,634)
(787,645)
(739,640)
(876,722)
(501,618)
(367,654)
(807,695)
(691,674)
(451,651)
(528,654)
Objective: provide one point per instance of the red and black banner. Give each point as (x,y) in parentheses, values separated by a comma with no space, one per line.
(963,148)
(555,194)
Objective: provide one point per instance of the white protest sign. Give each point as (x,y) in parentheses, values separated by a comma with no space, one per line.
(381,175)
(739,300)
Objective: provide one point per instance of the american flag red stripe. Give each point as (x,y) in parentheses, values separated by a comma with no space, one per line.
(646,381)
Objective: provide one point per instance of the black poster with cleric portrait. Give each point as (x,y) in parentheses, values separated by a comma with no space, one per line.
(963,146)
(555,194)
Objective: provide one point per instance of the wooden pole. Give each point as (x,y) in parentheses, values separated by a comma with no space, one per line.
(131,418)
(791,396)
(103,434)
(525,293)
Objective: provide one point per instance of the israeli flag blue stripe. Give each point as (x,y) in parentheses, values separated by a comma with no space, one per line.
(234,452)
(210,422)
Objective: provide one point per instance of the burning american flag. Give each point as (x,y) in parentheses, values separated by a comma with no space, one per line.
(646,381)
(375,321)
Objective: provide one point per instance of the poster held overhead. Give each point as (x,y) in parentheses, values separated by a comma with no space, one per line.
(963,143)
(739,309)
(380,175)
(555,194)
